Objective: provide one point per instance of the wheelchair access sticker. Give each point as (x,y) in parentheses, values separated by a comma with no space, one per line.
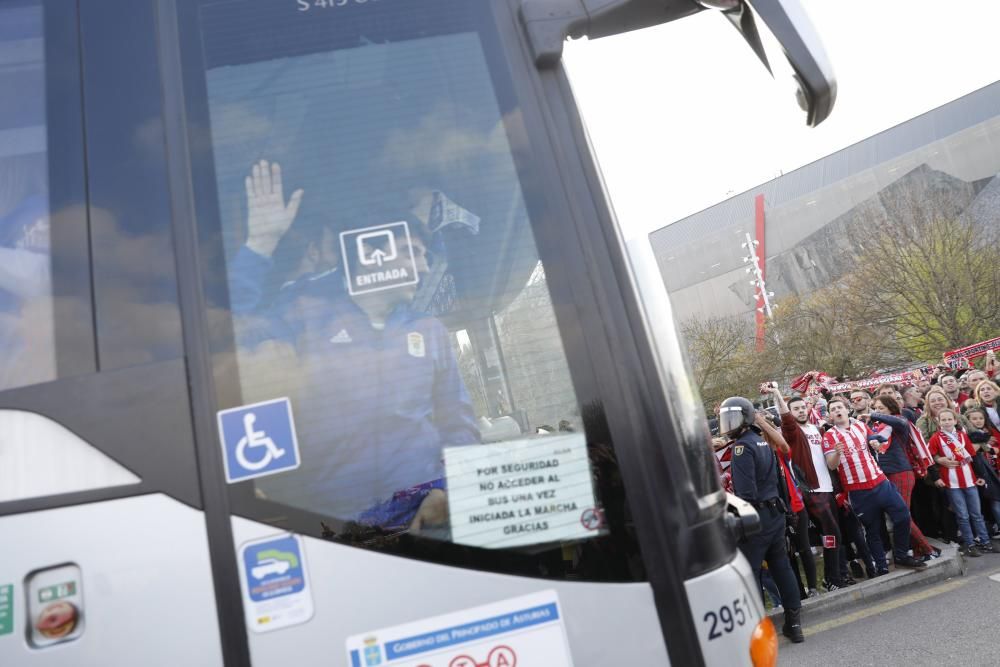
(521,631)
(258,440)
(275,588)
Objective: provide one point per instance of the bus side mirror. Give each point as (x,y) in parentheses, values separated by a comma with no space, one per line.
(778,31)
(782,36)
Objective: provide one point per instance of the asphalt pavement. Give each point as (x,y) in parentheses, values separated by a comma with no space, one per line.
(953,622)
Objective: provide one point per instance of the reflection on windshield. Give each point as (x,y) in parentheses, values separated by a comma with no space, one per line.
(377,386)
(26,320)
(382,274)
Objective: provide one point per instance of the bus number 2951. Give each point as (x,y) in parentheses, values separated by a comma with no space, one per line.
(728,618)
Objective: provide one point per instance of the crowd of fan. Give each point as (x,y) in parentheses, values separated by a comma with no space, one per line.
(936,439)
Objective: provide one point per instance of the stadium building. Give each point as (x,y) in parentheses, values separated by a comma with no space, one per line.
(811,223)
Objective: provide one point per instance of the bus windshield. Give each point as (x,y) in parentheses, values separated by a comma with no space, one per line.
(374,259)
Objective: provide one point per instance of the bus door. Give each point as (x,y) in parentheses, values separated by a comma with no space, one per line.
(411,351)
(105,557)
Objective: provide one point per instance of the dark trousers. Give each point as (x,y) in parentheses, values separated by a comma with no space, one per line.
(854,546)
(994,507)
(799,542)
(923,510)
(822,507)
(869,505)
(769,545)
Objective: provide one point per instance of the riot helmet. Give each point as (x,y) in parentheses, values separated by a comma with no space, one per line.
(735,413)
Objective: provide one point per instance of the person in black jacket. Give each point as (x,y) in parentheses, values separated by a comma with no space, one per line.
(894,459)
(986,460)
(805,442)
(755,480)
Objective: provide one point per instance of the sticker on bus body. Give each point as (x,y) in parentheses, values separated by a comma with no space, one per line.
(55,605)
(525,631)
(258,440)
(6,609)
(378,258)
(522,492)
(276,591)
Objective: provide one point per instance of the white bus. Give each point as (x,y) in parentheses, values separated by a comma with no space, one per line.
(322,346)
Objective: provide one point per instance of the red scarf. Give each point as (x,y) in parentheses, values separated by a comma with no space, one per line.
(814,417)
(793,492)
(956,443)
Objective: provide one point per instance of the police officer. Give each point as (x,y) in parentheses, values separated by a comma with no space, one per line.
(755,480)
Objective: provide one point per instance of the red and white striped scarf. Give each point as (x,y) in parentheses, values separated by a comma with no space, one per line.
(953,446)
(814,416)
(918,452)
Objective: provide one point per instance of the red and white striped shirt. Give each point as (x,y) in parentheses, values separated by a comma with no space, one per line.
(858,470)
(957,447)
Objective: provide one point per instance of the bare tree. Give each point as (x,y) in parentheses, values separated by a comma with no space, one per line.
(934,277)
(720,350)
(835,329)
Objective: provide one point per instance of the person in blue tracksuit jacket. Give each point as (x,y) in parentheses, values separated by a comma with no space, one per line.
(379,394)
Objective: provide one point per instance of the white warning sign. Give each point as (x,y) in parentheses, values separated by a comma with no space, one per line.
(521,492)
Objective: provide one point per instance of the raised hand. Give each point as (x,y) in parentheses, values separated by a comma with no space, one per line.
(268,217)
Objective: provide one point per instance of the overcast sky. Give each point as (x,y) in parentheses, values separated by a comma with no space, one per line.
(684,115)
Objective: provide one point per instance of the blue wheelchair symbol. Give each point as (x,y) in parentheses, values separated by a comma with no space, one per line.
(258,440)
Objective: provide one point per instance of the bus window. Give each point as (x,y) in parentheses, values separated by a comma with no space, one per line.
(28,238)
(373,258)
(88,299)
(46,323)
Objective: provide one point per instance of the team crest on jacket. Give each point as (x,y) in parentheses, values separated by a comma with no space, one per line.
(415,344)
(738,450)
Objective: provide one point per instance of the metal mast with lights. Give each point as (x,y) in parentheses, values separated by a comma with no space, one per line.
(758,267)
(762,295)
